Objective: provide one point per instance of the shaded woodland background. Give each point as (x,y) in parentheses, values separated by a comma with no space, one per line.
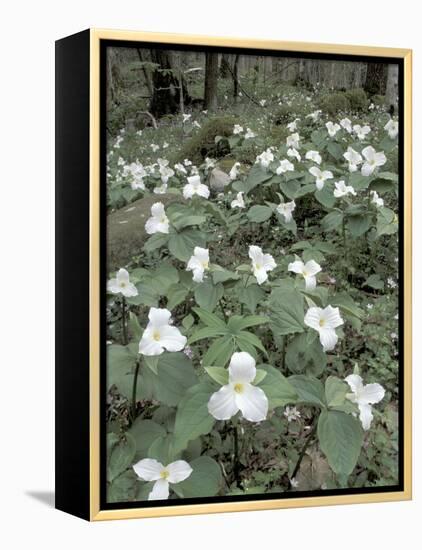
(147,84)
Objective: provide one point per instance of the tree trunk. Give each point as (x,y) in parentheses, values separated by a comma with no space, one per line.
(166,97)
(146,72)
(235,76)
(225,65)
(376,78)
(211,81)
(392,88)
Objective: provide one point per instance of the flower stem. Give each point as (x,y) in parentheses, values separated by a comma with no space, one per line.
(344,246)
(222,310)
(134,386)
(124,326)
(303,450)
(236,464)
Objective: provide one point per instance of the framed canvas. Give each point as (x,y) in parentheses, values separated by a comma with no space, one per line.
(233,274)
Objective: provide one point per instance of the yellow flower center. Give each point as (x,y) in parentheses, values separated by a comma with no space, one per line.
(204,264)
(238,388)
(164,474)
(122,284)
(305,273)
(156,335)
(321,322)
(258,266)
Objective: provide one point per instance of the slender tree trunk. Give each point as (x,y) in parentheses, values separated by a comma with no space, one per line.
(211,81)
(147,72)
(392,88)
(376,78)
(225,65)
(235,76)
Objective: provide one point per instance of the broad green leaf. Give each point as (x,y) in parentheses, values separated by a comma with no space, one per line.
(206,332)
(375,281)
(176,295)
(121,457)
(192,417)
(309,389)
(251,296)
(287,311)
(207,294)
(205,480)
(219,352)
(135,329)
(256,176)
(181,245)
(218,374)
(259,213)
(155,241)
(305,358)
(387,222)
(244,337)
(325,196)
(210,319)
(332,220)
(335,150)
(237,322)
(260,375)
(340,437)
(290,188)
(220,275)
(276,387)
(151,362)
(359,225)
(335,391)
(144,433)
(123,487)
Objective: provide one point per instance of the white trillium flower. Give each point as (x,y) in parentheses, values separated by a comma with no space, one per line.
(285,166)
(314,116)
(122,285)
(392,128)
(154,147)
(238,202)
(261,263)
(353,158)
(321,176)
(372,160)
(286,209)
(159,335)
(265,158)
(209,163)
(160,190)
(292,126)
(195,187)
(187,162)
(198,263)
(158,222)
(196,123)
(293,153)
(234,171)
(325,321)
(263,102)
(314,156)
(186,118)
(308,271)
(376,199)
(150,469)
(346,124)
(249,134)
(240,394)
(293,141)
(332,128)
(361,131)
(364,396)
(180,168)
(341,189)
(237,129)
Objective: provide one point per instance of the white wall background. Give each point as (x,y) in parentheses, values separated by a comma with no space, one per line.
(27,36)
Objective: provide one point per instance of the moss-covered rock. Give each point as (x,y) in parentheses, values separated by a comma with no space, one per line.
(203,144)
(335,103)
(357,98)
(126,233)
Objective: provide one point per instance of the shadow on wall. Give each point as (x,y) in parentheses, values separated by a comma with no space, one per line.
(45,497)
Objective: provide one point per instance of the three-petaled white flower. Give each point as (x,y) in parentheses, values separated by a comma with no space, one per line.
(324,321)
(234,171)
(291,413)
(122,285)
(314,156)
(361,131)
(286,209)
(332,128)
(165,171)
(198,263)
(293,153)
(392,128)
(293,141)
(186,117)
(265,158)
(237,129)
(238,202)
(159,335)
(150,469)
(137,173)
(364,396)
(249,134)
(353,158)
(346,124)
(195,187)
(284,166)
(292,126)
(376,199)
(321,176)
(261,263)
(308,271)
(158,222)
(240,393)
(341,189)
(372,160)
